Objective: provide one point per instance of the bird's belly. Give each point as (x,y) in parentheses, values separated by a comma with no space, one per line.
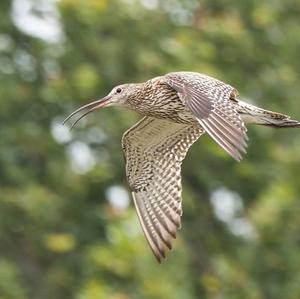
(184,117)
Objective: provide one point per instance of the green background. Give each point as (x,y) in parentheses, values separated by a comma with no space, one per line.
(66,230)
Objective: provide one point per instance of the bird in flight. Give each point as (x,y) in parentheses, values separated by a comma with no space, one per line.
(177,109)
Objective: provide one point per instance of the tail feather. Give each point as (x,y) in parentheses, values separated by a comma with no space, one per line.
(259,116)
(285,123)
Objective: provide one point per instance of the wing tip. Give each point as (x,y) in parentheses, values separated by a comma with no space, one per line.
(159,247)
(235,148)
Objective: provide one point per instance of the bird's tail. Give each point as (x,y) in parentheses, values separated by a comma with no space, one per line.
(259,116)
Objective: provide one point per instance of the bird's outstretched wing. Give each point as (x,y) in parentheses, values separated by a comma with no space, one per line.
(154,150)
(212,103)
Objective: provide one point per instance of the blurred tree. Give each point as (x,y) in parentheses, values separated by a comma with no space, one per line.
(65,229)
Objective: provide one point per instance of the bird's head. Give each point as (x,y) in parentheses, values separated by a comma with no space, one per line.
(118,96)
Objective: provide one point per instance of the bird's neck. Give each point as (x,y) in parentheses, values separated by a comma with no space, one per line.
(144,95)
(152,97)
(134,99)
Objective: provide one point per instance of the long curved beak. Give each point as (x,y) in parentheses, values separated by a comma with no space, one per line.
(95,105)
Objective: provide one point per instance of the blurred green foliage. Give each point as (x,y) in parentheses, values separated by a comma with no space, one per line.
(60,236)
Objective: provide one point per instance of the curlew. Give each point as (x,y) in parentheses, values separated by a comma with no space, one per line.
(178,108)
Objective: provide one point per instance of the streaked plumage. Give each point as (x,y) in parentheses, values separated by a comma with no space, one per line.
(154,149)
(178,108)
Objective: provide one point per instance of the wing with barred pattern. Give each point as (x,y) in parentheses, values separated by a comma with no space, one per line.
(212,103)
(154,150)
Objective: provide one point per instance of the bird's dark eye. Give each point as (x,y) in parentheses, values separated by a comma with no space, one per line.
(118,90)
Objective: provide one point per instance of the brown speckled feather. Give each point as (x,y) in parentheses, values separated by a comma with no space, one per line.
(211,101)
(154,150)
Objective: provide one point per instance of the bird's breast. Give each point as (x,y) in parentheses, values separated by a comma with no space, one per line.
(170,108)
(159,100)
